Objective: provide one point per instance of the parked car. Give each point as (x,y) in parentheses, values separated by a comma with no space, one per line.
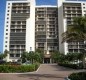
(26,63)
(2,62)
(76,62)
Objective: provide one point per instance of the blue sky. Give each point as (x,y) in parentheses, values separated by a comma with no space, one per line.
(2,15)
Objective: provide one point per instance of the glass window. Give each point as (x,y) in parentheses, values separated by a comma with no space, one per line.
(17,55)
(30,48)
(8,7)
(6,37)
(84,7)
(5,45)
(6,25)
(7,17)
(6,29)
(6,33)
(5,41)
(8,11)
(7,14)
(83,3)
(8,3)
(11,55)
(7,21)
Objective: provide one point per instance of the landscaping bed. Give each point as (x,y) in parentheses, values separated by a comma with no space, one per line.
(18,68)
(77,76)
(74,66)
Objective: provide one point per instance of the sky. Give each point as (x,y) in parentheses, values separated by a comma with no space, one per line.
(2,15)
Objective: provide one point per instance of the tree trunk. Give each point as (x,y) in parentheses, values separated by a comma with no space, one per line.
(83,61)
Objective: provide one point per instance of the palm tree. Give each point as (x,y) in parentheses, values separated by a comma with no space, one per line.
(6,52)
(24,57)
(55,56)
(76,32)
(41,53)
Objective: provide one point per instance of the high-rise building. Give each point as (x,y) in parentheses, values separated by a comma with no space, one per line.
(19,32)
(46,29)
(29,27)
(67,10)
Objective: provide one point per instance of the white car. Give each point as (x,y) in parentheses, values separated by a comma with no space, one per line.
(26,63)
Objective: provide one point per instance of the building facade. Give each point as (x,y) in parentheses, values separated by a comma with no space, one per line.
(46,30)
(29,27)
(19,34)
(67,10)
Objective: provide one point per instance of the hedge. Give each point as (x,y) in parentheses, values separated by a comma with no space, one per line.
(18,68)
(74,66)
(78,76)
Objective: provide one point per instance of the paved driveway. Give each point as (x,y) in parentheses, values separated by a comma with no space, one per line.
(45,72)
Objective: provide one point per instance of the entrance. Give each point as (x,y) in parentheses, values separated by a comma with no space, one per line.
(46,60)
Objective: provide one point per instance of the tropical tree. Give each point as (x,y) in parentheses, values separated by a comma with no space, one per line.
(76,32)
(31,56)
(24,57)
(1,56)
(41,53)
(37,57)
(6,52)
(55,56)
(4,55)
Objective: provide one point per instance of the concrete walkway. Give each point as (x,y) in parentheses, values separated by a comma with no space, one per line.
(45,72)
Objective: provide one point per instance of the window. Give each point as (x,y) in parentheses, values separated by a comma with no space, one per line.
(6,29)
(7,14)
(8,11)
(5,41)
(6,33)
(6,25)
(8,3)
(11,55)
(6,37)
(30,48)
(8,7)
(7,21)
(83,7)
(5,45)
(83,3)
(7,17)
(17,55)
(84,10)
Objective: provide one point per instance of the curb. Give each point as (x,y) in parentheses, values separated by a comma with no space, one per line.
(38,68)
(67,78)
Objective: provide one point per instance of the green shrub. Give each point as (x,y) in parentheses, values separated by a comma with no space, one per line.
(18,68)
(78,76)
(74,66)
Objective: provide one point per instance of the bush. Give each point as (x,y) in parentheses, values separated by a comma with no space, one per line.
(78,76)
(74,66)
(18,68)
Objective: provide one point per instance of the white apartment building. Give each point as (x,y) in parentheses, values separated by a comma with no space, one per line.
(19,31)
(29,27)
(46,30)
(67,10)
